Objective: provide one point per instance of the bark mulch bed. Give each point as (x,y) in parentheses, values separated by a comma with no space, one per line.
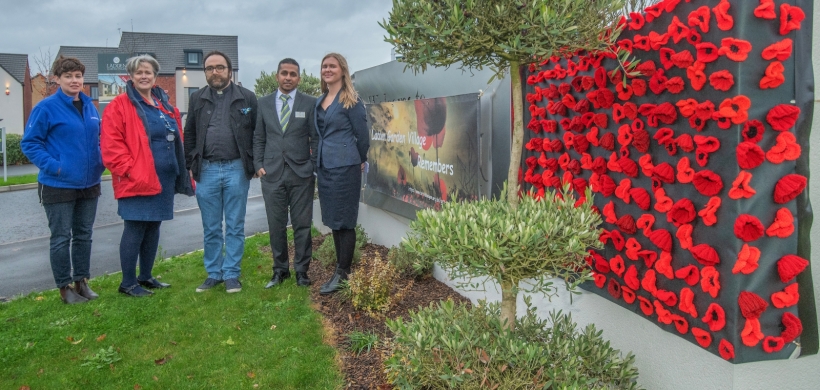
(366,371)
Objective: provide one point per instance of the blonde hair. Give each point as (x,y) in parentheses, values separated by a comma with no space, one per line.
(347,95)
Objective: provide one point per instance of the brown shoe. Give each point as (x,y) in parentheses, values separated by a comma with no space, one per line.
(70,297)
(81,287)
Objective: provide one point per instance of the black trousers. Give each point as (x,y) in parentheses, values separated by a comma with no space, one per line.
(292,195)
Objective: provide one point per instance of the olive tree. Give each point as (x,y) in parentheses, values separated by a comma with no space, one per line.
(502,35)
(537,240)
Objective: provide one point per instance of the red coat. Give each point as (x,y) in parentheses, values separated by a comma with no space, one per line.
(126,151)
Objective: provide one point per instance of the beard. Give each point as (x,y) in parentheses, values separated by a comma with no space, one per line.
(217,81)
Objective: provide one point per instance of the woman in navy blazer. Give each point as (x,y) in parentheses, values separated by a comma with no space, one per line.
(344,139)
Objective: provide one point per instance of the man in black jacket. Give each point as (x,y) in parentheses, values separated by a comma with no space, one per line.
(219,153)
(284,150)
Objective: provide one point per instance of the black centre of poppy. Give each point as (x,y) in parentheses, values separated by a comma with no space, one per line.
(734,48)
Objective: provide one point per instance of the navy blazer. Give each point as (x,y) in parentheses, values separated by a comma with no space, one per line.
(345,137)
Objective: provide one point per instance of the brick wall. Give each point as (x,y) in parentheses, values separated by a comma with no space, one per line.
(169,84)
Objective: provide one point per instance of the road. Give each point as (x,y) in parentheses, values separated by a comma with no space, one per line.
(24,236)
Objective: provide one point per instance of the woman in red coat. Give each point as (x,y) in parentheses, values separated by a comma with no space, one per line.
(142,147)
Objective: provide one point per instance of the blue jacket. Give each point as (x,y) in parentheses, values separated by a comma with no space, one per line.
(65,146)
(345,138)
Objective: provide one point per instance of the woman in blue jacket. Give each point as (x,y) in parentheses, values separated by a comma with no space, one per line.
(62,139)
(344,139)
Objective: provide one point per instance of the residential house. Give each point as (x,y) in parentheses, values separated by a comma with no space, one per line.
(15,92)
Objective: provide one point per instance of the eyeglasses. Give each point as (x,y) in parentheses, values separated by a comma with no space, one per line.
(218,68)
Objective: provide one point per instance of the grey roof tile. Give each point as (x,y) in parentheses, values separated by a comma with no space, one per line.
(15,65)
(170,48)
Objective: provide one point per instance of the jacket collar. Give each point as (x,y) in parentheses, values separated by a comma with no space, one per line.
(68,99)
(332,107)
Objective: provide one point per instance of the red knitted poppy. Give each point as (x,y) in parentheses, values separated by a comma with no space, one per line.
(793,327)
(636,21)
(631,248)
(680,323)
(705,254)
(735,49)
(564,88)
(786,298)
(766,10)
(790,266)
(685,172)
(649,257)
(753,131)
(741,187)
(682,59)
(726,350)
(640,140)
(708,214)
(662,239)
(749,155)
(710,281)
(664,172)
(780,50)
(790,18)
(646,165)
(612,163)
(783,116)
(747,260)
(789,187)
(700,18)
(677,30)
(707,182)
(706,146)
(649,281)
(646,306)
(684,235)
(617,240)
(614,288)
(703,338)
(773,76)
(748,228)
(641,197)
(628,294)
(715,317)
(724,20)
(751,305)
(773,344)
(687,304)
(657,83)
(751,334)
(706,52)
(663,203)
(601,120)
(675,85)
(607,141)
(600,280)
(786,149)
(689,274)
(667,297)
(664,266)
(631,278)
(736,109)
(696,76)
(722,80)
(600,263)
(685,142)
(783,225)
(682,212)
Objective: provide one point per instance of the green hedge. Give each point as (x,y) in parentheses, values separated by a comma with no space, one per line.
(15,154)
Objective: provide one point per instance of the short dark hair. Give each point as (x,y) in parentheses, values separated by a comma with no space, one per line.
(288,61)
(219,53)
(67,64)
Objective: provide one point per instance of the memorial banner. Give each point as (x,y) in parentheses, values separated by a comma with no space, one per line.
(425,152)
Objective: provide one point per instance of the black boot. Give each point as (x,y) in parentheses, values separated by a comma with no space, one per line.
(81,287)
(335,283)
(69,296)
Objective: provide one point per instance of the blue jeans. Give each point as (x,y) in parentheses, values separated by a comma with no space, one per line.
(71,226)
(222,193)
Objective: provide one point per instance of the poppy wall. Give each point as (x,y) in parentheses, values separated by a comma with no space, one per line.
(698,165)
(425,152)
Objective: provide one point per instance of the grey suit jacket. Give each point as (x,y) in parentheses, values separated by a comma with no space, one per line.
(296,147)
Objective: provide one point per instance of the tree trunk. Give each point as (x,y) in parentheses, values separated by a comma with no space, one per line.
(517,140)
(508,304)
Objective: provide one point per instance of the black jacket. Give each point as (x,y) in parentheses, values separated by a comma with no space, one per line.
(243,110)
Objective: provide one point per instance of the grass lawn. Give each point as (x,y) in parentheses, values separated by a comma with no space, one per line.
(176,339)
(26,179)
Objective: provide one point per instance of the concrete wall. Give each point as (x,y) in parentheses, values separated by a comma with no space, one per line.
(665,361)
(11,105)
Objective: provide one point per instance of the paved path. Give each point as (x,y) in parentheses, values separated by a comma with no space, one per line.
(24,236)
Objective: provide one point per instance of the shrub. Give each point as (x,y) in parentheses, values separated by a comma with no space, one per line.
(326,252)
(370,287)
(409,263)
(446,346)
(15,154)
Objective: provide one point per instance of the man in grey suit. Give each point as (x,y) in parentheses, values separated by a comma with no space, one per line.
(284,150)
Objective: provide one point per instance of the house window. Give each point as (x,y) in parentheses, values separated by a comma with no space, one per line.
(95,93)
(193,57)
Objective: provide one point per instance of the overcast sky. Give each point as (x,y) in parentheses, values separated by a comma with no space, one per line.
(268,30)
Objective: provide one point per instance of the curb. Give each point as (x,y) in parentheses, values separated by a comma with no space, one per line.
(29,186)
